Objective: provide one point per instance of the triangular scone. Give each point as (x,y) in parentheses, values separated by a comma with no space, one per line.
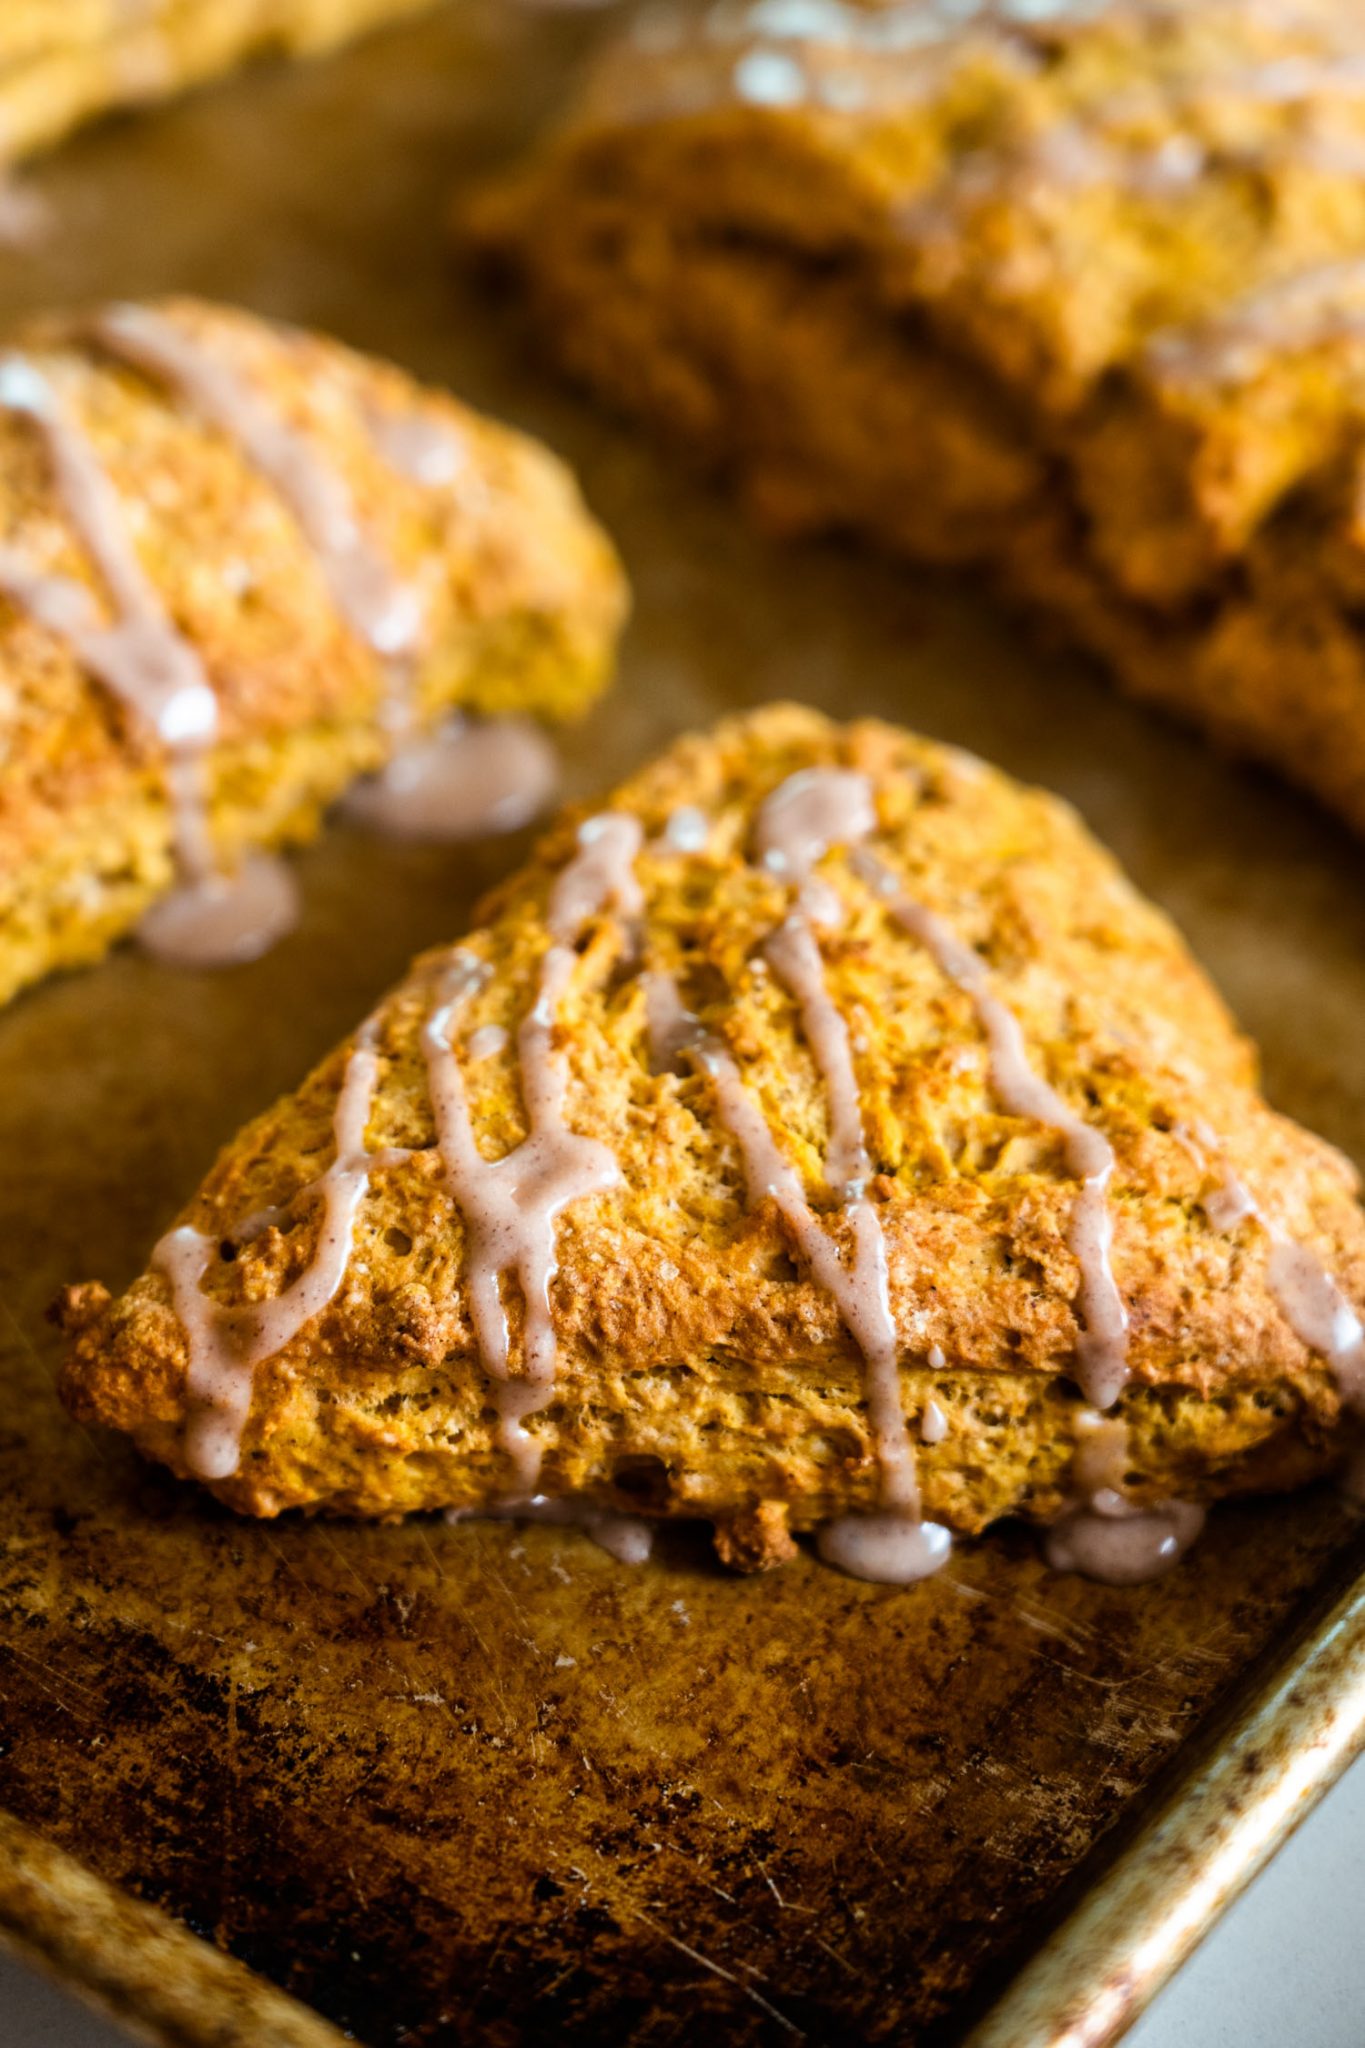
(1070,292)
(932,1024)
(233,551)
(61,65)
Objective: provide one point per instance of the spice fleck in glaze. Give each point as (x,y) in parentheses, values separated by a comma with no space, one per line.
(240,566)
(695,1182)
(1072,292)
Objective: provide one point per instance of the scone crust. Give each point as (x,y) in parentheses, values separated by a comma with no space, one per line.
(1074,294)
(700,1370)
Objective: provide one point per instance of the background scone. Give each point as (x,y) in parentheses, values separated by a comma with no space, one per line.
(594,1205)
(235,560)
(1073,292)
(64,61)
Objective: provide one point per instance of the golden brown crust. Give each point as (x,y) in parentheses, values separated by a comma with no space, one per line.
(522,592)
(61,65)
(700,1369)
(1077,298)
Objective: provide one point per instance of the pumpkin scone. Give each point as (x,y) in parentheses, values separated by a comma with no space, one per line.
(240,566)
(822,1133)
(1072,292)
(62,62)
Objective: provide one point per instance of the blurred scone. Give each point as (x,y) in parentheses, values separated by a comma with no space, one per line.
(596,1204)
(232,556)
(64,61)
(1075,292)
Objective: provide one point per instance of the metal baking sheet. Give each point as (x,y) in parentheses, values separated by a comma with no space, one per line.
(486,1785)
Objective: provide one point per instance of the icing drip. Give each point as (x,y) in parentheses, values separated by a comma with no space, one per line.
(460,783)
(212,919)
(380,608)
(223,920)
(933,1424)
(1102,1346)
(1104,1535)
(859,1290)
(805,816)
(511,1206)
(890,1548)
(1122,1545)
(1305,1293)
(627,1538)
(1319,1314)
(227,1343)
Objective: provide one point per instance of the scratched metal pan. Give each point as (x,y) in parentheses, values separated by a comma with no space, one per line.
(428,1784)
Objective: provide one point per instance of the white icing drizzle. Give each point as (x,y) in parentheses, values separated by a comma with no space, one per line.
(511,1206)
(627,1538)
(212,918)
(384,611)
(800,820)
(807,814)
(469,779)
(860,1290)
(601,875)
(140,658)
(1105,1536)
(227,1343)
(1101,1347)
(459,783)
(1307,1296)
(794,956)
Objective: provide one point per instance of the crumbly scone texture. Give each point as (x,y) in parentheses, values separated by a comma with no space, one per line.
(63,62)
(522,597)
(1073,292)
(700,1369)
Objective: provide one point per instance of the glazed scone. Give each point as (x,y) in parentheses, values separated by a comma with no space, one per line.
(595,1205)
(1074,293)
(234,558)
(63,62)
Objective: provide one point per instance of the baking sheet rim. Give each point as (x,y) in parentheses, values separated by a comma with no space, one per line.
(1233,1805)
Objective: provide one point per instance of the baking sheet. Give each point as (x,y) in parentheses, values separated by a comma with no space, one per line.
(480,1784)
